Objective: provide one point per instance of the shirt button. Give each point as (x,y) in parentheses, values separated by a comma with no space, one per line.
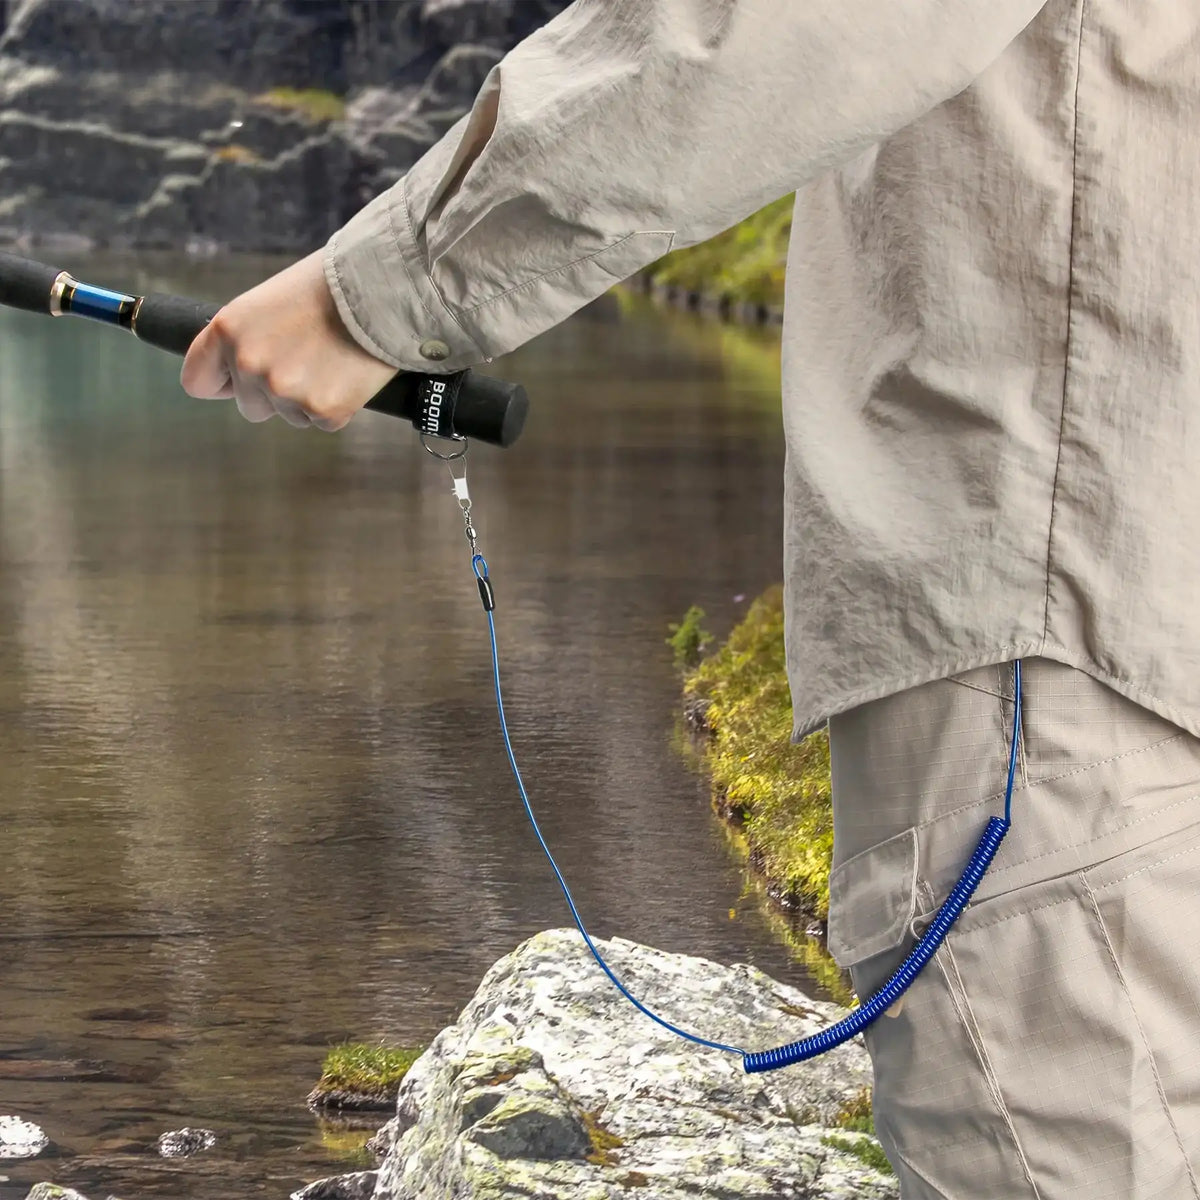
(432,348)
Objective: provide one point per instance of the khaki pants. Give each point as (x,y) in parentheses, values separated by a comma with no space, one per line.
(1052,1047)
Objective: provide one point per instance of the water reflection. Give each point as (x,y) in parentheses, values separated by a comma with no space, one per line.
(252,791)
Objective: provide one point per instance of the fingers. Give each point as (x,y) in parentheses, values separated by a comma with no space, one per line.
(281,349)
(253,400)
(205,374)
(292,413)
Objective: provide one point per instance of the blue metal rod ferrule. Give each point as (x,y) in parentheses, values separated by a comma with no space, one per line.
(98,304)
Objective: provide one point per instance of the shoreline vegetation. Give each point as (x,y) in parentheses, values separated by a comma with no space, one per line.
(358,1077)
(774,796)
(737,275)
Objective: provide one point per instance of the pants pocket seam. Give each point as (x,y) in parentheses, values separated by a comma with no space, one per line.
(1116,966)
(1032,858)
(966,1014)
(975,687)
(1158,862)
(1039,779)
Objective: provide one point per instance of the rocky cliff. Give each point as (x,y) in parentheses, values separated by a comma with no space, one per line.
(228,124)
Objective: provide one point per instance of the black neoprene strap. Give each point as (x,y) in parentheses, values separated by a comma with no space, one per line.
(439,393)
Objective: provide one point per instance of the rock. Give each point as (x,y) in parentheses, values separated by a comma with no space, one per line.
(550,1083)
(266,43)
(21,1139)
(163,124)
(359,1186)
(380,1143)
(181,1143)
(52,1191)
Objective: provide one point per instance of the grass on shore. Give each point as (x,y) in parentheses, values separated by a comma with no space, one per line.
(370,1070)
(858,1117)
(777,791)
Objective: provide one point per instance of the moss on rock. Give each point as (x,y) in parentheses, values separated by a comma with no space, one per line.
(316,104)
(362,1076)
(777,792)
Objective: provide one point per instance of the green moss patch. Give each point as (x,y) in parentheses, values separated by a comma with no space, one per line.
(856,1117)
(856,1114)
(866,1150)
(359,1075)
(314,103)
(777,792)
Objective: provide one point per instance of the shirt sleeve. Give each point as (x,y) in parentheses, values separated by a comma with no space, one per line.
(622,129)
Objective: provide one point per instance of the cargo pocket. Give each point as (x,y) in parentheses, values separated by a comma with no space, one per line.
(938,1112)
(1031,1035)
(872,900)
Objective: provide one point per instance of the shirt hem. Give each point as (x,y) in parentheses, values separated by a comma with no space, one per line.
(810,721)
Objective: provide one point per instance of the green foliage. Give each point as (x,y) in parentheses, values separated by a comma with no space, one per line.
(314,103)
(866,1150)
(856,1117)
(371,1070)
(856,1114)
(745,262)
(808,951)
(688,639)
(780,790)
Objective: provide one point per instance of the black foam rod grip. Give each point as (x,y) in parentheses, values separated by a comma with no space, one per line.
(485,409)
(172,322)
(490,410)
(26,284)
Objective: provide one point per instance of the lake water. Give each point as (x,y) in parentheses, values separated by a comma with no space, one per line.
(253,796)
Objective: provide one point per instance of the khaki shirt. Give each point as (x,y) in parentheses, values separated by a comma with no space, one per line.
(991,340)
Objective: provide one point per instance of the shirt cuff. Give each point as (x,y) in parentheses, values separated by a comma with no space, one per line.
(375,255)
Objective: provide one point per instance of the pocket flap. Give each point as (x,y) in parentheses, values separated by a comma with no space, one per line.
(872,899)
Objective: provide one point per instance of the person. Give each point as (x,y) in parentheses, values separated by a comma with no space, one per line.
(991,403)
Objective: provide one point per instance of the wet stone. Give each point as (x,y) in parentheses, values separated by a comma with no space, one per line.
(181,1143)
(358,1186)
(21,1139)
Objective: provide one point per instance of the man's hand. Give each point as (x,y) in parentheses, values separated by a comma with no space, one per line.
(282,348)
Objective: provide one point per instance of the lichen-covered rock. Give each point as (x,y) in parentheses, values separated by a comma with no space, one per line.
(182,1143)
(379,1144)
(52,1191)
(358,1186)
(550,1083)
(21,1139)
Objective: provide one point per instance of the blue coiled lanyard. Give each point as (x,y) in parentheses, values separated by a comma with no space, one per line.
(904,975)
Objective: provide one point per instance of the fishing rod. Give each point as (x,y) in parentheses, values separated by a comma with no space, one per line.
(457,406)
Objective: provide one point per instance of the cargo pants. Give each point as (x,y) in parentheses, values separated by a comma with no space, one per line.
(1051,1050)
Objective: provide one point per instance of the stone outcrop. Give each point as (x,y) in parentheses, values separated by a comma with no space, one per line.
(260,126)
(550,1083)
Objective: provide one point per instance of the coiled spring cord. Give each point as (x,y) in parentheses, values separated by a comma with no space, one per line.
(904,975)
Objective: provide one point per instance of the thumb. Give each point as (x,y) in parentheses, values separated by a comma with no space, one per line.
(204,374)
